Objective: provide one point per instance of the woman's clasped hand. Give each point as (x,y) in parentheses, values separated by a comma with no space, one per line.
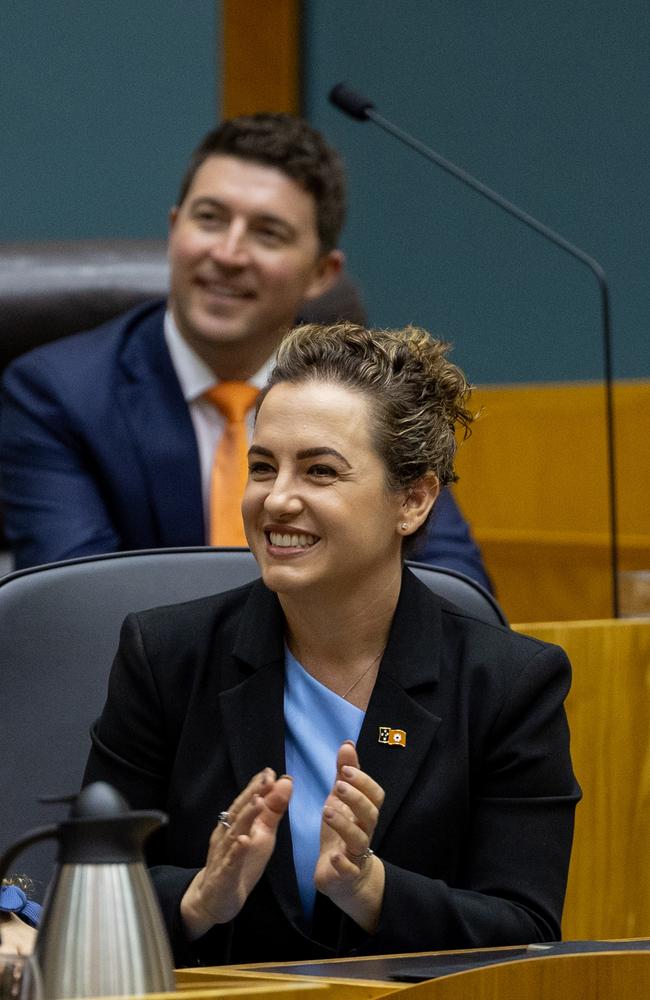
(242,843)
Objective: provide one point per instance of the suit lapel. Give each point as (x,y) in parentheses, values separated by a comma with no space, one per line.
(157,415)
(403,699)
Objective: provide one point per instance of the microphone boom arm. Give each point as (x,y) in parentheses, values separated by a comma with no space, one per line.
(361,109)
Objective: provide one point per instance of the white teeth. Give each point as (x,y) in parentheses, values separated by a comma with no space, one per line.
(291,541)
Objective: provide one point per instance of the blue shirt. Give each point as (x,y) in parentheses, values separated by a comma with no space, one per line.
(317,721)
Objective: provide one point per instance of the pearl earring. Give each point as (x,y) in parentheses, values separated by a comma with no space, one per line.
(403,525)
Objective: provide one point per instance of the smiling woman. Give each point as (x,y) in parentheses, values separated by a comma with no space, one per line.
(317,506)
(414,743)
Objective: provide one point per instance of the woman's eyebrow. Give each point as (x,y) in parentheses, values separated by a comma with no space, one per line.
(257,449)
(316,452)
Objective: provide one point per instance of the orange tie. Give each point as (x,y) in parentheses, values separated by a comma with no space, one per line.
(230,464)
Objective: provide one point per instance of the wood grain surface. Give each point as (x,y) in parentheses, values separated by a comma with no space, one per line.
(261,56)
(608,707)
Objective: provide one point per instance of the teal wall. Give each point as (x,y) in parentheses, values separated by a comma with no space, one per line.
(101,102)
(547,103)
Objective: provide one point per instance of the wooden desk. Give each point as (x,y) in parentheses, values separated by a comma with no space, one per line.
(617,971)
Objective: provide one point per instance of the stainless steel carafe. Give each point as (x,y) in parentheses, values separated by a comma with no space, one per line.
(101,932)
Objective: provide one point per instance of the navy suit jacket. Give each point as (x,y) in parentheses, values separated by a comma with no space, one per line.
(98,453)
(476,827)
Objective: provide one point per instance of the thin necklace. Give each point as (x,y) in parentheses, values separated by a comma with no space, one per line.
(364,674)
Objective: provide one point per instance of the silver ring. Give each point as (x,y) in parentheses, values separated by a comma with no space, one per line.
(358,859)
(223,819)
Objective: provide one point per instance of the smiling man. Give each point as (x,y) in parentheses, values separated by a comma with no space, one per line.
(134,435)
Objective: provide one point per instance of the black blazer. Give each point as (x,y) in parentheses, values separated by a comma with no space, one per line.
(475,832)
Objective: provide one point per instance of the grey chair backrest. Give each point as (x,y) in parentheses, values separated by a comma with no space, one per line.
(59,628)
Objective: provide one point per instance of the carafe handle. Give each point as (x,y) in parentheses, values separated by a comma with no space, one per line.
(41,833)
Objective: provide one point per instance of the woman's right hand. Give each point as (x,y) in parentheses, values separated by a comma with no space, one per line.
(237,855)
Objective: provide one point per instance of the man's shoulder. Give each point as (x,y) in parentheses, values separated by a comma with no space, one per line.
(92,349)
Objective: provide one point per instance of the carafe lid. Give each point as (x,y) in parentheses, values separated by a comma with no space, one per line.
(101,829)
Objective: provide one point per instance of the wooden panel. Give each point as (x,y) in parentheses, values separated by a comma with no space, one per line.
(604,976)
(261,56)
(557,575)
(608,707)
(533,486)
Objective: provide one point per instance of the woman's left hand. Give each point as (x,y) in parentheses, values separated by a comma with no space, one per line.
(354,882)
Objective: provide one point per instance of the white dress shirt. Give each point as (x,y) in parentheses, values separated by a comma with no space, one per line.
(195,379)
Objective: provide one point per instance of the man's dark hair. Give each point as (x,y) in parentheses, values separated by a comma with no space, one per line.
(291,145)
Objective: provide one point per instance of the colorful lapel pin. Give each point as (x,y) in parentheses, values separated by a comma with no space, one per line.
(393,737)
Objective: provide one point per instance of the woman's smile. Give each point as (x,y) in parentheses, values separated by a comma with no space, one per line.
(290,539)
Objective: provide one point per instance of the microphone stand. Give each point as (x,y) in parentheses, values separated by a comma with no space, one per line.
(360,108)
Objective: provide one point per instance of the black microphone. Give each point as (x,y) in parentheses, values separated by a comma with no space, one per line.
(351,102)
(361,109)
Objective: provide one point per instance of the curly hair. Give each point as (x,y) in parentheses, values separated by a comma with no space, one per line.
(418,398)
(290,145)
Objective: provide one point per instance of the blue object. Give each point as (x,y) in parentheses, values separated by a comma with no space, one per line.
(13,899)
(317,721)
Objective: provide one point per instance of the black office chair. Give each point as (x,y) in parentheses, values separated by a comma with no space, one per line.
(60,626)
